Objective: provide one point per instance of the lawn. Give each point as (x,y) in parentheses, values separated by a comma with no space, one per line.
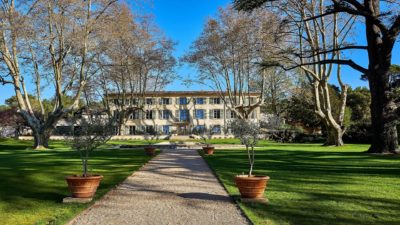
(32,183)
(318,185)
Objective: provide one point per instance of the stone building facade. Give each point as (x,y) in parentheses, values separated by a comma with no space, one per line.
(179,112)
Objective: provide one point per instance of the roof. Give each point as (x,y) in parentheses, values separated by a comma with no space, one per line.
(182,94)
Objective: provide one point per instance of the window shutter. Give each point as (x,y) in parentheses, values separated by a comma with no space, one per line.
(177,114)
(211,113)
(222,113)
(160,114)
(210,101)
(228,114)
(177,101)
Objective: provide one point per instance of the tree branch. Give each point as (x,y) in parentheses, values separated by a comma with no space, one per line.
(395,28)
(335,50)
(4,81)
(350,63)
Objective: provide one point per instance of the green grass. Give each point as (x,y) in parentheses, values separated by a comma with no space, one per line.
(317,185)
(32,183)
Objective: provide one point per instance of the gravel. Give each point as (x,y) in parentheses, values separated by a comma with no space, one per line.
(176,187)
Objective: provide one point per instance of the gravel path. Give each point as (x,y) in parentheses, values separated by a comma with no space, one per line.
(176,187)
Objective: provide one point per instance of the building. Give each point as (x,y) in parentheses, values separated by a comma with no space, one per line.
(178,112)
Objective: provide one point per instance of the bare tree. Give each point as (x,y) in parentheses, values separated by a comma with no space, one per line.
(382,30)
(308,43)
(51,40)
(138,59)
(278,88)
(226,54)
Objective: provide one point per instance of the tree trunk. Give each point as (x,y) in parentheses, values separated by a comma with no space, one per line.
(334,137)
(380,47)
(384,138)
(41,140)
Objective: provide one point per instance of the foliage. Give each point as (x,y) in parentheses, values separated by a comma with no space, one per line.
(249,134)
(9,118)
(301,110)
(90,134)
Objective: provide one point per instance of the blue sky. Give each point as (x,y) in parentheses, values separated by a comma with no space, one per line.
(182,21)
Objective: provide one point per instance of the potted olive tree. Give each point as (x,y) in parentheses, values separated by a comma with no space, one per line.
(151,136)
(206,135)
(250,186)
(86,136)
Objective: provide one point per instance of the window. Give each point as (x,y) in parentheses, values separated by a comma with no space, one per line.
(166,129)
(216,129)
(149,129)
(132,130)
(199,128)
(165,101)
(217,114)
(216,101)
(199,114)
(183,101)
(184,115)
(134,115)
(134,101)
(165,114)
(233,115)
(200,101)
(149,101)
(149,114)
(116,101)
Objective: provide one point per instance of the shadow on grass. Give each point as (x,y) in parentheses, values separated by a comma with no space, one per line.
(32,182)
(317,186)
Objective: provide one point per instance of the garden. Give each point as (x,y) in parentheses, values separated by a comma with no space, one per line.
(312,184)
(32,187)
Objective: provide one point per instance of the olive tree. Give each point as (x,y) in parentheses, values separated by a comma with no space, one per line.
(87,134)
(248,133)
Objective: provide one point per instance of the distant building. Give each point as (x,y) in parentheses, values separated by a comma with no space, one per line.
(179,112)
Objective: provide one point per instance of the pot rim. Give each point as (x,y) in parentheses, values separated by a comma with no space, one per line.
(253,177)
(80,177)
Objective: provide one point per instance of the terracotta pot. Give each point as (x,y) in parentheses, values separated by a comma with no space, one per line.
(208,150)
(251,187)
(83,187)
(150,151)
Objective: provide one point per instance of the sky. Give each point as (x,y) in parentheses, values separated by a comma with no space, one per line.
(182,21)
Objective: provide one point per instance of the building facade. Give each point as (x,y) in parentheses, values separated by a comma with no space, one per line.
(179,112)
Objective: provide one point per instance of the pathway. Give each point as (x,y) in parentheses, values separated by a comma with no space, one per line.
(176,187)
